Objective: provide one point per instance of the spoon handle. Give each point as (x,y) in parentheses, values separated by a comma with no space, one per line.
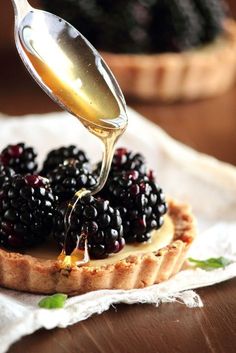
(21,8)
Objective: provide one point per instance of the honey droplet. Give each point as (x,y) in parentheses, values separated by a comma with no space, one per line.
(77,258)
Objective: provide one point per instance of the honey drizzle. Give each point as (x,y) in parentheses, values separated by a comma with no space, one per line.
(78,257)
(74,75)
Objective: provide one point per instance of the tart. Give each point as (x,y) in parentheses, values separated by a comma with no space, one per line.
(38,272)
(201,73)
(166,50)
(128,236)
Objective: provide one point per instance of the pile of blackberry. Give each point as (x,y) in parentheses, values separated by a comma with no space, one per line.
(144,26)
(32,207)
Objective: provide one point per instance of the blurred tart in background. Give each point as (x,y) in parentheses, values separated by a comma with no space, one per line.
(165,50)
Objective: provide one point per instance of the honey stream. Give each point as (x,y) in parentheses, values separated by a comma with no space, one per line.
(72,72)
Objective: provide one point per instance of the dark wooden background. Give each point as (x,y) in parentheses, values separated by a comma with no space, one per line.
(209,126)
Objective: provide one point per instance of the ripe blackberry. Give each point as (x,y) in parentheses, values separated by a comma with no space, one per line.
(125,160)
(26,211)
(5,174)
(175,26)
(95,219)
(59,155)
(20,158)
(213,13)
(70,177)
(140,201)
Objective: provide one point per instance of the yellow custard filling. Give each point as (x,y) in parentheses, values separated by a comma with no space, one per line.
(160,238)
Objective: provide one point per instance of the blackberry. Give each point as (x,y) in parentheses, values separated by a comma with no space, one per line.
(213,12)
(125,160)
(70,177)
(176,26)
(26,211)
(95,219)
(140,201)
(59,155)
(20,158)
(5,174)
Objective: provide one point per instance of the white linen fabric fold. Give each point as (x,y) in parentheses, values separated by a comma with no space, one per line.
(206,183)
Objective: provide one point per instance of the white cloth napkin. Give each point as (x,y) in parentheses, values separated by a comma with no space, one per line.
(204,182)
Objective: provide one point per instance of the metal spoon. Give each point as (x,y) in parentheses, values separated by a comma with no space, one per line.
(71,71)
(67,67)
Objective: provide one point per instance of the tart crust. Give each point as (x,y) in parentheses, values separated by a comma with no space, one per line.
(200,73)
(31,274)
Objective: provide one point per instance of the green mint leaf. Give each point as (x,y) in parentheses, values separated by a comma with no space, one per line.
(55,301)
(211,264)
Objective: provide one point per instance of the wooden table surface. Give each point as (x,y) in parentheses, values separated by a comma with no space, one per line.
(209,126)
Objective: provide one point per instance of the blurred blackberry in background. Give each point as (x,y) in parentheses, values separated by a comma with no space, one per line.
(26,211)
(140,201)
(213,13)
(70,177)
(20,158)
(176,26)
(143,26)
(59,155)
(95,219)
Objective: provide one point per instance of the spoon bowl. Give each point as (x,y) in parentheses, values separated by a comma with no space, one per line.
(68,68)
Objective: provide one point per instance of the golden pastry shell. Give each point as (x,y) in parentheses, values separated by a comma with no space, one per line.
(35,275)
